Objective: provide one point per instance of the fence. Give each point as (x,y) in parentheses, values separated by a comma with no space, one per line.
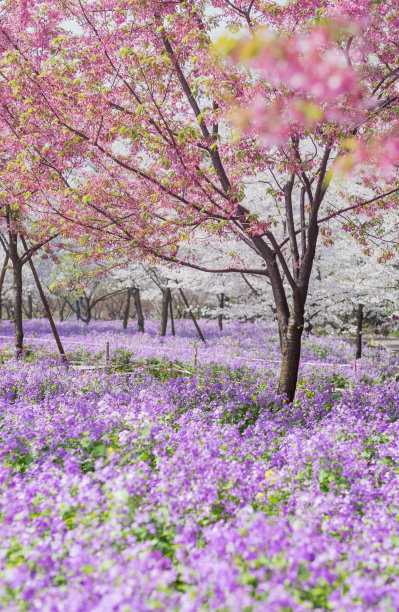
(195,353)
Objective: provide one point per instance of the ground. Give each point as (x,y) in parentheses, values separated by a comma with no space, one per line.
(174,478)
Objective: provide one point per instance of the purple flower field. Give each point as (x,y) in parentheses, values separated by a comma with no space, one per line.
(143,487)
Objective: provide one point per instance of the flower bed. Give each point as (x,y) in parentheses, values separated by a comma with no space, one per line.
(126,490)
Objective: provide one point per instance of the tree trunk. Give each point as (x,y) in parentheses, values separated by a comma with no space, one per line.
(192,317)
(2,276)
(172,319)
(30,306)
(45,304)
(17,291)
(127,309)
(77,306)
(61,311)
(88,311)
(139,309)
(164,310)
(221,305)
(290,354)
(359,330)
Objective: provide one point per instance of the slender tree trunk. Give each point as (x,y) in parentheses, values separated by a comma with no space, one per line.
(18,325)
(221,305)
(192,317)
(30,306)
(172,319)
(62,310)
(139,309)
(45,304)
(164,310)
(17,293)
(77,306)
(2,276)
(359,330)
(88,311)
(127,309)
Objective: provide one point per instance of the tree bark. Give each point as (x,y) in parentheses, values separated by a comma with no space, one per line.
(164,310)
(139,309)
(2,276)
(30,306)
(17,293)
(172,319)
(192,317)
(290,325)
(77,306)
(221,305)
(45,304)
(290,355)
(88,311)
(127,309)
(359,330)
(18,325)
(62,310)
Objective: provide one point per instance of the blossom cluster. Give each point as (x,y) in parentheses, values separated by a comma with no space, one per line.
(318,76)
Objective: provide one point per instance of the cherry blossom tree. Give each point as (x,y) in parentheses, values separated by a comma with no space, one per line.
(348,281)
(18,238)
(127,109)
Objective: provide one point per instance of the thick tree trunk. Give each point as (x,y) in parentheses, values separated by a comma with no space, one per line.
(17,292)
(172,319)
(127,309)
(359,330)
(291,335)
(164,310)
(77,306)
(139,309)
(221,305)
